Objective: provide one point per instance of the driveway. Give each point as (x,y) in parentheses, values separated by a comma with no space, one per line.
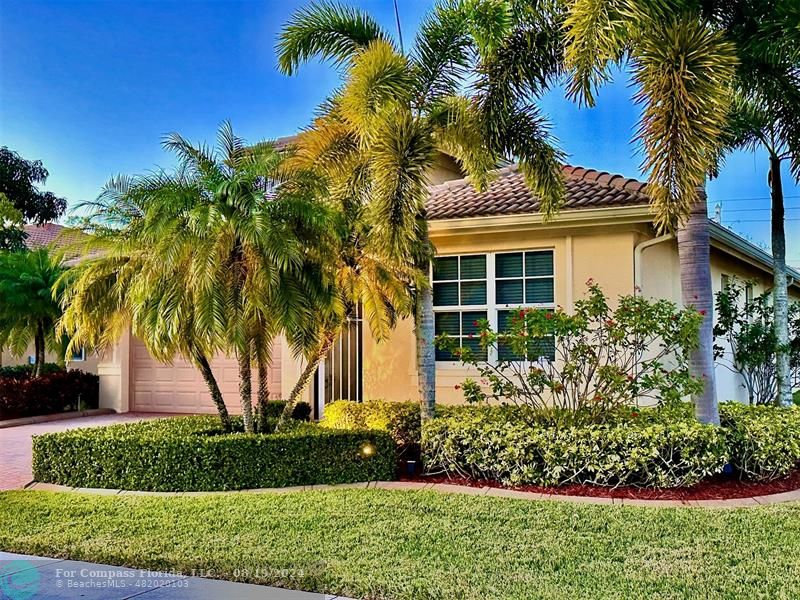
(15,443)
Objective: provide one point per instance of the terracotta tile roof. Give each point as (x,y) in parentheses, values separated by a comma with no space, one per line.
(508,194)
(47,233)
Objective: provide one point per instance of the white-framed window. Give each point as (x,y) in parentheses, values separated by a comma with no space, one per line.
(492,285)
(78,356)
(460,300)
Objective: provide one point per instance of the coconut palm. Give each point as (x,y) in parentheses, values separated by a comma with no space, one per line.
(378,137)
(681,61)
(29,307)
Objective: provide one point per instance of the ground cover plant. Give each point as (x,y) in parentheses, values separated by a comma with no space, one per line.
(195,454)
(378,543)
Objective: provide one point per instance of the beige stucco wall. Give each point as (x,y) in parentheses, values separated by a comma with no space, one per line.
(604,254)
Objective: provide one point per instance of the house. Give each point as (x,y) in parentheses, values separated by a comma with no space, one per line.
(38,236)
(495,252)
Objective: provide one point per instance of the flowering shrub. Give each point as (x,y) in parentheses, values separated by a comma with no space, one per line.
(585,365)
(651,449)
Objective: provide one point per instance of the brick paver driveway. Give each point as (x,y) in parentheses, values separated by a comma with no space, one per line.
(15,443)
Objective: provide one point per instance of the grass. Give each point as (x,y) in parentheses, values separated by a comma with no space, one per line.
(393,544)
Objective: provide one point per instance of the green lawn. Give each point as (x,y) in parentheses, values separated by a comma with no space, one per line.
(385,544)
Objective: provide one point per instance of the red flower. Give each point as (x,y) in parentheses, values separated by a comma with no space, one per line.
(634,414)
(458,387)
(702,312)
(548,316)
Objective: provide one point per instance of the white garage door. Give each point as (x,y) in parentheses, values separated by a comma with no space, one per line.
(179,387)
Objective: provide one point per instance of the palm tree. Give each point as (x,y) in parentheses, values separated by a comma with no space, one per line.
(29,307)
(122,284)
(764,115)
(364,276)
(223,253)
(380,134)
(681,62)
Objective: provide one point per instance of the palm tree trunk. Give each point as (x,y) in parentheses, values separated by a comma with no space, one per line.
(305,377)
(263,391)
(426,354)
(694,255)
(780,294)
(39,343)
(246,388)
(213,387)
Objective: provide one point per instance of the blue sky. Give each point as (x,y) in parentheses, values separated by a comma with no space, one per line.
(90,87)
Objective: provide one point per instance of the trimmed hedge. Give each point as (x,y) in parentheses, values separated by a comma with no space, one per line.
(193,454)
(489,443)
(764,441)
(401,420)
(54,392)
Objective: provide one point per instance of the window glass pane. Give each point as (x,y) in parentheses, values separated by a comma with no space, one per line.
(504,352)
(444,354)
(504,319)
(445,294)
(543,347)
(473,292)
(509,291)
(475,346)
(445,268)
(508,265)
(538,263)
(469,320)
(447,323)
(473,267)
(539,291)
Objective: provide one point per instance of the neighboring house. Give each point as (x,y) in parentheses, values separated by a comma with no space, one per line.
(495,252)
(38,236)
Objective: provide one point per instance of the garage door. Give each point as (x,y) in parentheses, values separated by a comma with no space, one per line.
(179,387)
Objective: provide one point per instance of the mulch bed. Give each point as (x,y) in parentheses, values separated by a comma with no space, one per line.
(718,488)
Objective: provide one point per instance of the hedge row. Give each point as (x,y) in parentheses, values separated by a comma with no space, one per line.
(193,454)
(655,448)
(54,392)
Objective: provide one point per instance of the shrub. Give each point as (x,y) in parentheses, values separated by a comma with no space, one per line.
(495,443)
(26,371)
(585,364)
(193,454)
(747,329)
(764,441)
(401,420)
(48,394)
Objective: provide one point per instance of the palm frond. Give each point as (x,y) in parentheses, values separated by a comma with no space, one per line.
(327,30)
(683,70)
(596,38)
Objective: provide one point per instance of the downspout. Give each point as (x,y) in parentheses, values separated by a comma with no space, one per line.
(637,259)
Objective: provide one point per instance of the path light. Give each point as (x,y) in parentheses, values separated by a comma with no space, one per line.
(367,450)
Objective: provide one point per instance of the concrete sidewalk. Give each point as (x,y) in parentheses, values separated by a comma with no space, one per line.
(24,577)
